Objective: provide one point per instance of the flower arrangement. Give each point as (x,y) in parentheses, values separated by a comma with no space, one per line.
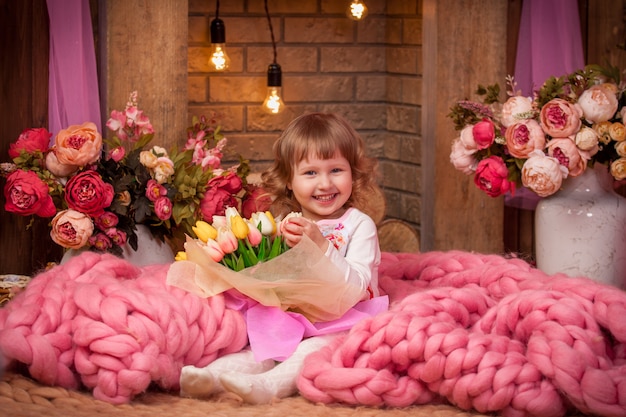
(96,195)
(238,242)
(572,122)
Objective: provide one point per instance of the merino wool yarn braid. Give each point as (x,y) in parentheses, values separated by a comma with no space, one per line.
(101,322)
(483,332)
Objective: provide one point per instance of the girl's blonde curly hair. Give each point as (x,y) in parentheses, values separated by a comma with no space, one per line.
(320,135)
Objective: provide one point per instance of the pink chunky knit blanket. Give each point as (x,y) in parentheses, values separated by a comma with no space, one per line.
(485,333)
(480,331)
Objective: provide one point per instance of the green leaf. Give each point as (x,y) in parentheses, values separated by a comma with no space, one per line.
(276,247)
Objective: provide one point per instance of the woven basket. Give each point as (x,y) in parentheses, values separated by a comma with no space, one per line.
(11,284)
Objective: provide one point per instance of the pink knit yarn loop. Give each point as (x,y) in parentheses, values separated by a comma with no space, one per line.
(100,322)
(483,332)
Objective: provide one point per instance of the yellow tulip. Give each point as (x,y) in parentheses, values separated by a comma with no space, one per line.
(181,256)
(239,227)
(204,231)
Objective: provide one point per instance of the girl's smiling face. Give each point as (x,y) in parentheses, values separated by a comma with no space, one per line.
(322,186)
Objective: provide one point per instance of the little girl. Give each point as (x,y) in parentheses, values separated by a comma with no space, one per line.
(321,170)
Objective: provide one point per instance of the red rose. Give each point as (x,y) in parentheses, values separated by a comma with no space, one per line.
(30,140)
(87,193)
(215,202)
(27,194)
(491,177)
(256,200)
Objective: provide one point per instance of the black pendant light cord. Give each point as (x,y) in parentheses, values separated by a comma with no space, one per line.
(269,22)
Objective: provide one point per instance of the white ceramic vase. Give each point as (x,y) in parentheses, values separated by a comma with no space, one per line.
(150,250)
(581,230)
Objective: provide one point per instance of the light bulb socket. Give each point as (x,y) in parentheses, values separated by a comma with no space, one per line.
(274,75)
(218,31)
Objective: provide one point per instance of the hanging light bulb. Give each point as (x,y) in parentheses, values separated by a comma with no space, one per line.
(219,60)
(273,103)
(357,10)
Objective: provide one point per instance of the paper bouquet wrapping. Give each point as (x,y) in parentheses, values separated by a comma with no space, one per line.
(302,280)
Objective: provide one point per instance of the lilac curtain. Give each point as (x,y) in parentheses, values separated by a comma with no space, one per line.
(73,83)
(549,43)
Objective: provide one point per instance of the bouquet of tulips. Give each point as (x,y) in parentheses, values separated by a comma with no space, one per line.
(237,242)
(243,254)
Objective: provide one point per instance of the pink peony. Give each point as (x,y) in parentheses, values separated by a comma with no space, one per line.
(220,194)
(568,155)
(215,202)
(87,193)
(599,102)
(78,145)
(484,133)
(491,177)
(117,236)
(560,118)
(229,182)
(543,174)
(154,190)
(58,169)
(71,229)
(515,106)
(467,138)
(523,137)
(256,200)
(163,208)
(462,158)
(101,242)
(27,194)
(30,140)
(106,220)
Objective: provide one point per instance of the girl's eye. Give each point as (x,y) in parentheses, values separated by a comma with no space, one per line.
(335,170)
(309,173)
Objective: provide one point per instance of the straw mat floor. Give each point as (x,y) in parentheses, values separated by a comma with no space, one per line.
(22,397)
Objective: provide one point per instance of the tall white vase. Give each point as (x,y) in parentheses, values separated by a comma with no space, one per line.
(150,250)
(581,230)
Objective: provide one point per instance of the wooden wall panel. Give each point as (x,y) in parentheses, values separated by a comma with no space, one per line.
(458,55)
(24,103)
(143,47)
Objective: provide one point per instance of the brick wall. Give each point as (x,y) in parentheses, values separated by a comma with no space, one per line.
(369,71)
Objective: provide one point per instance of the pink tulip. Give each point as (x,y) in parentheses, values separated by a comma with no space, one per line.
(213,249)
(254,234)
(227,240)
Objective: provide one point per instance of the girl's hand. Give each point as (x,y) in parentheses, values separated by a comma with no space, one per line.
(296,227)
